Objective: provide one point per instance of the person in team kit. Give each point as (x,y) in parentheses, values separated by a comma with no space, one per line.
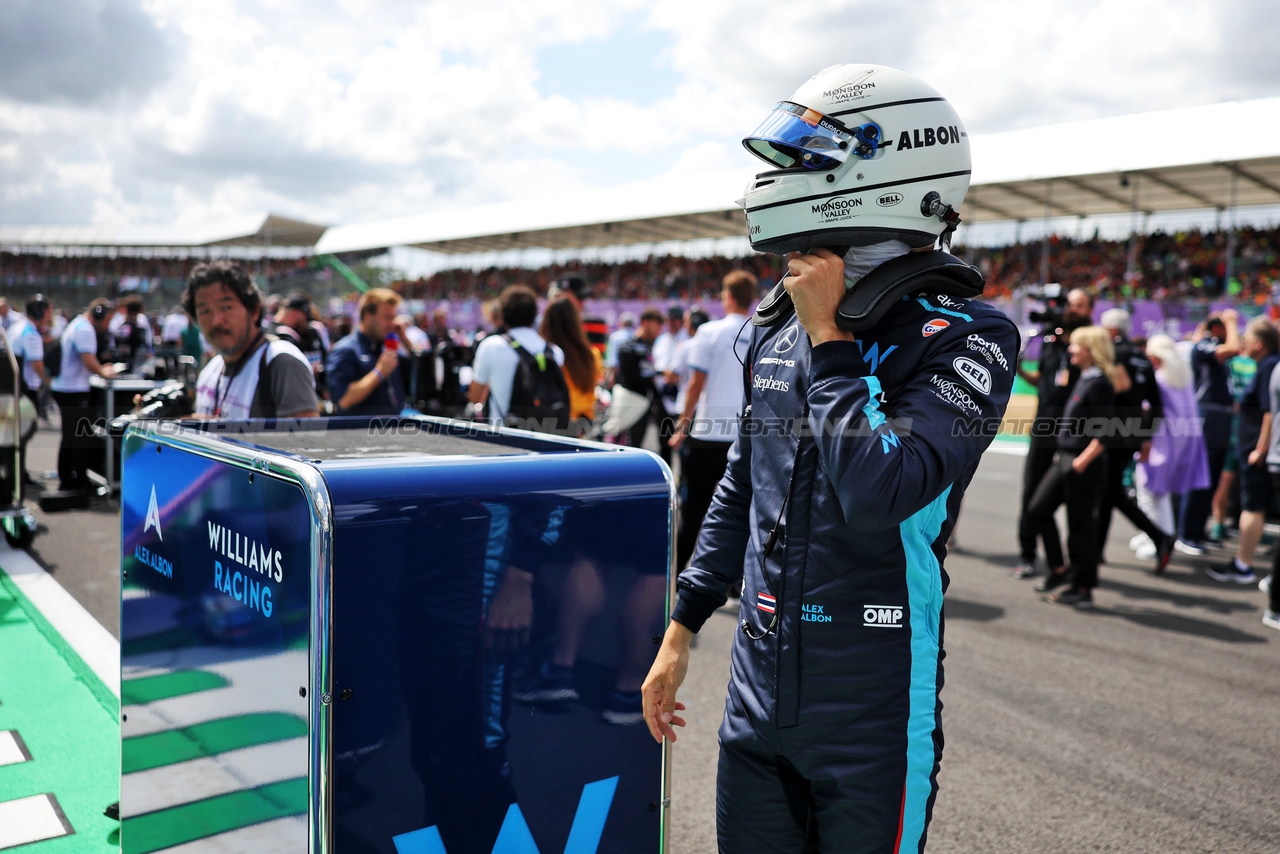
(875,386)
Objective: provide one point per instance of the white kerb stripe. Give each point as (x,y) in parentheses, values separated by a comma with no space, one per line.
(12,750)
(94,644)
(1012,449)
(31,820)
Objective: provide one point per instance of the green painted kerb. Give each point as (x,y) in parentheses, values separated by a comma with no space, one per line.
(208,739)
(176,825)
(150,689)
(68,720)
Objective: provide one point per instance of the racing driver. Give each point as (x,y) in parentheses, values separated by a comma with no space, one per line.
(873,384)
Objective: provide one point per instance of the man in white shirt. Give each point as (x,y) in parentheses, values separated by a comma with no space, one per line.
(251,376)
(664,354)
(80,446)
(625,332)
(8,317)
(410,332)
(496,359)
(27,338)
(175,323)
(713,400)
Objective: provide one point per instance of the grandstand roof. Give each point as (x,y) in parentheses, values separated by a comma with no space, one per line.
(1216,156)
(259,230)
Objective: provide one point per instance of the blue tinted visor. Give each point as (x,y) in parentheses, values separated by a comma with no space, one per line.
(795,136)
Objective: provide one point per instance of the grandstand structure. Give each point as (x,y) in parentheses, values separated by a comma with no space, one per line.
(260,231)
(1221,157)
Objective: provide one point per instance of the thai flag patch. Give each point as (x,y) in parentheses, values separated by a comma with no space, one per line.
(766,603)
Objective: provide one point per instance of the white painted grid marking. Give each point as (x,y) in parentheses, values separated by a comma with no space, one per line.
(12,748)
(32,819)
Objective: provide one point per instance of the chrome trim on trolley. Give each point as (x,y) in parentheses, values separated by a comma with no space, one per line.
(664,800)
(312,483)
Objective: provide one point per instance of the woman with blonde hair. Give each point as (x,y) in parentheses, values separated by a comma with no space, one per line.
(1178,461)
(1077,476)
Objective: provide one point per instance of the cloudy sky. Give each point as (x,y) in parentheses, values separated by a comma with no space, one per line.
(172,112)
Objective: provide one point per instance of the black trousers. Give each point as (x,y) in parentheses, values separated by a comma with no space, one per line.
(1114,497)
(1199,502)
(1039,461)
(29,432)
(1275,564)
(635,433)
(1082,493)
(666,427)
(80,447)
(702,466)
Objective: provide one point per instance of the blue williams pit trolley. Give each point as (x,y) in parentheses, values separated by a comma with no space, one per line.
(397,635)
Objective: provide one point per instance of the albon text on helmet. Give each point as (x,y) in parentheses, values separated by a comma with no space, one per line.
(923,138)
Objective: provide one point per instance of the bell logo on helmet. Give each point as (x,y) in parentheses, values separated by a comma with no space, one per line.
(942,135)
(888,200)
(934,326)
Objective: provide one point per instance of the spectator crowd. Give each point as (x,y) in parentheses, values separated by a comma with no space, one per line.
(1196,462)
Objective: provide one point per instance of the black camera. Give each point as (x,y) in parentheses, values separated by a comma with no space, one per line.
(170,400)
(1052,300)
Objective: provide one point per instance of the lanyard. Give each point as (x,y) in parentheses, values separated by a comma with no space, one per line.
(220,392)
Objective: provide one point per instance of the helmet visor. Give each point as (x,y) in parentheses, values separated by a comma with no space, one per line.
(795,136)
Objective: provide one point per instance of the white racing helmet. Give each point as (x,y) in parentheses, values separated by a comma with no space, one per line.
(861,154)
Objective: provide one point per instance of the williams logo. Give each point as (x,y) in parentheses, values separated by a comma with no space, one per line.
(973,373)
(153,516)
(888,200)
(934,326)
(882,616)
(873,356)
(787,339)
(839,208)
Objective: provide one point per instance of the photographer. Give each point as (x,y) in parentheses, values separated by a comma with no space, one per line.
(875,385)
(253,375)
(1053,378)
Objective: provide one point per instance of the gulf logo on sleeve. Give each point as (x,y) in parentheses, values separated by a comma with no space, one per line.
(934,326)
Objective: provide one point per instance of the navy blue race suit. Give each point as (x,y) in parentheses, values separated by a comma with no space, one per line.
(831,737)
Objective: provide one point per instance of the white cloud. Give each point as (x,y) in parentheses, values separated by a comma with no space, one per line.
(341,110)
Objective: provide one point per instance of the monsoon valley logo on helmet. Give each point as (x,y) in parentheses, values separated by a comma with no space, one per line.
(860,154)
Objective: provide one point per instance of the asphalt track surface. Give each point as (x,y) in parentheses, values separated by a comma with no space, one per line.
(1147,725)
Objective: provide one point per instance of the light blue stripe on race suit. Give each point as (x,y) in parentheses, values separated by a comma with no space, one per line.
(924,595)
(924,302)
(872,407)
